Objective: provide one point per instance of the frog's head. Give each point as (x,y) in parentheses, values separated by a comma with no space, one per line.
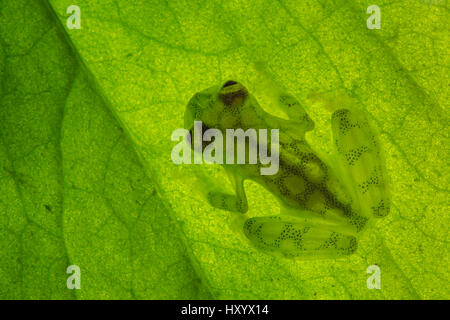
(215,104)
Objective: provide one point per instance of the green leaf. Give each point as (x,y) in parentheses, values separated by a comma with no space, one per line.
(87,117)
(73,189)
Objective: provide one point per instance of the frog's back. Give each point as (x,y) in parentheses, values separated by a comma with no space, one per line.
(304,182)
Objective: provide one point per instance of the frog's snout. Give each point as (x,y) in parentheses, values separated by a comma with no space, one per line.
(233,93)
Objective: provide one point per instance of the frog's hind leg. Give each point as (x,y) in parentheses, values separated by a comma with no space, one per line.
(296,238)
(361,160)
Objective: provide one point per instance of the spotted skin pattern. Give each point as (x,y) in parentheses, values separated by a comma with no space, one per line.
(324,207)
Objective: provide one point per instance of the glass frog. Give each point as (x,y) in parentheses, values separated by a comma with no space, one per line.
(326,200)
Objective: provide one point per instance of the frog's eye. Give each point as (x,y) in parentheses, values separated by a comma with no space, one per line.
(233,93)
(229,83)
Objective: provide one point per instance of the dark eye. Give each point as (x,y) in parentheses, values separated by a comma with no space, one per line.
(229,83)
(188,137)
(191,134)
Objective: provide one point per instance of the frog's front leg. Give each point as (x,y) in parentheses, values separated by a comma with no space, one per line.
(296,113)
(299,121)
(234,203)
(297,238)
(287,103)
